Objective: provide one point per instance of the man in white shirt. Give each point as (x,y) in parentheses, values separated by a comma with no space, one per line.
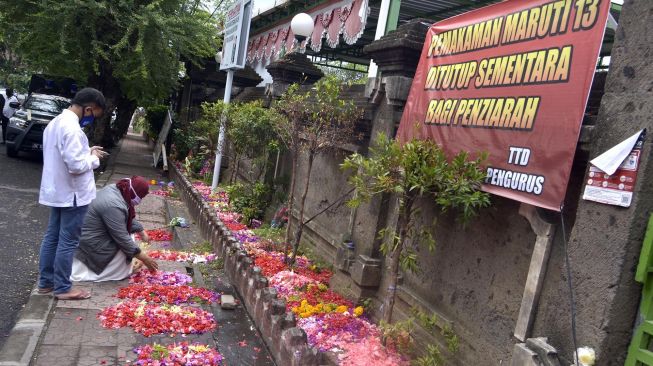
(67,187)
(8,112)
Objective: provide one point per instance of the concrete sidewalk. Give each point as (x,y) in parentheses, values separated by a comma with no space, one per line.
(62,333)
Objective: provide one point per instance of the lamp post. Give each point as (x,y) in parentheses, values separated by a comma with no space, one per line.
(302,27)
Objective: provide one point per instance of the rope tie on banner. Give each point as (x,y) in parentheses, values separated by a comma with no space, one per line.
(572,302)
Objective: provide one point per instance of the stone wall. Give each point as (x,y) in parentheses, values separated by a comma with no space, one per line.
(476,276)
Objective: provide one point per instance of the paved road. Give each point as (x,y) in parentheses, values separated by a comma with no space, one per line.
(22,223)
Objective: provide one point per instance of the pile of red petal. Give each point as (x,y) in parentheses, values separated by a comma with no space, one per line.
(272,264)
(177,354)
(157,235)
(145,276)
(167,294)
(235,226)
(321,275)
(149,319)
(313,295)
(161,192)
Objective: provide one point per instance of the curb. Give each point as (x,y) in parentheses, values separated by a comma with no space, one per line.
(20,345)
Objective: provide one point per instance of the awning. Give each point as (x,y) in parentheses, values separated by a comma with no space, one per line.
(336,17)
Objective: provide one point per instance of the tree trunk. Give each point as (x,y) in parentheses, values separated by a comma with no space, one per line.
(105,82)
(300,220)
(293,179)
(234,172)
(124,111)
(395,259)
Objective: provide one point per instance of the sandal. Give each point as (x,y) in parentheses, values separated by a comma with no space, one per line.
(44,291)
(74,295)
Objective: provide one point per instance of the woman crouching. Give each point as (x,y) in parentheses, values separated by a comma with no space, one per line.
(106,247)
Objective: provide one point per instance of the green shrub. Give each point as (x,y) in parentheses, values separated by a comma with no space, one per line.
(249,200)
(183,142)
(155,117)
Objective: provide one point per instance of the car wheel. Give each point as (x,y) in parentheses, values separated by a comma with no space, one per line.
(11,152)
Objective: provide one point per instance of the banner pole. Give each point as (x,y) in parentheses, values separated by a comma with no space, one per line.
(223,121)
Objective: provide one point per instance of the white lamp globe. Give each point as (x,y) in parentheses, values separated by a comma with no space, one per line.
(218,57)
(302,26)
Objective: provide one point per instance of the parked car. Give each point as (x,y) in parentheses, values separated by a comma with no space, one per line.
(25,131)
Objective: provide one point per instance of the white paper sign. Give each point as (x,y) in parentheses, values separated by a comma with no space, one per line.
(610,160)
(612,175)
(236,35)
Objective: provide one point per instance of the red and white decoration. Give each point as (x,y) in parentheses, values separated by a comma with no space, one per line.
(346,17)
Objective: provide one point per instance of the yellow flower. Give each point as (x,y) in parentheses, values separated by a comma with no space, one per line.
(341,309)
(304,303)
(175,309)
(140,311)
(358,311)
(305,315)
(197,348)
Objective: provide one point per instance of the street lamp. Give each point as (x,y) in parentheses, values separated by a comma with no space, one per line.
(218,57)
(302,26)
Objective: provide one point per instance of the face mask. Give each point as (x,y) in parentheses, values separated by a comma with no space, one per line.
(136,200)
(87,120)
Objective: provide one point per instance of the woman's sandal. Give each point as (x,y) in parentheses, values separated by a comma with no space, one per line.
(74,295)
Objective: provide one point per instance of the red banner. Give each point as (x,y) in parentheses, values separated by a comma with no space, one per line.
(511,79)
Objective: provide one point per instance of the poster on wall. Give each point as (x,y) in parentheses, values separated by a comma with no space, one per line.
(511,79)
(612,175)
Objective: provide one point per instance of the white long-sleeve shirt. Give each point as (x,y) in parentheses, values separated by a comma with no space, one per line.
(7,111)
(67,164)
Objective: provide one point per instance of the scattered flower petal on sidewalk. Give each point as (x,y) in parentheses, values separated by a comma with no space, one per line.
(177,256)
(149,319)
(144,276)
(167,294)
(161,193)
(177,354)
(157,235)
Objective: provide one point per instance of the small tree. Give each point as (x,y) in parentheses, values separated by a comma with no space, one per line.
(204,131)
(250,132)
(412,170)
(316,121)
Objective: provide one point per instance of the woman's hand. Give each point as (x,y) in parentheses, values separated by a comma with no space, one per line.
(150,263)
(144,237)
